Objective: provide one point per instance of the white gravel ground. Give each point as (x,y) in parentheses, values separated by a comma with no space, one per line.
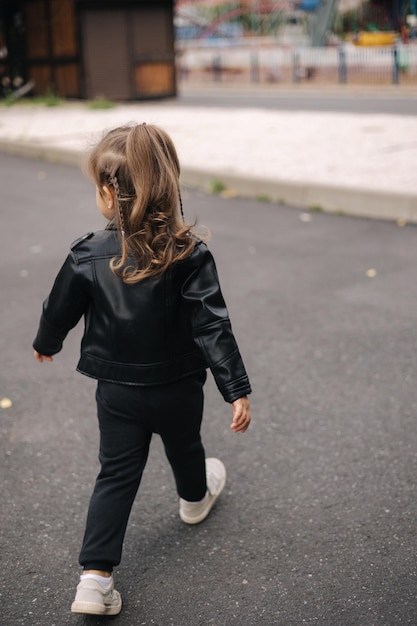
(377,152)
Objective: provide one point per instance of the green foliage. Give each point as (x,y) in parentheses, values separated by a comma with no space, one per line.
(263,197)
(9,100)
(49,99)
(100,103)
(216,186)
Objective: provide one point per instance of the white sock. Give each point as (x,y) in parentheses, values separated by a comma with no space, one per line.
(103,580)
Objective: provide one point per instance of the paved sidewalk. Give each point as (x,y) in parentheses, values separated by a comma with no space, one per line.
(317,524)
(339,162)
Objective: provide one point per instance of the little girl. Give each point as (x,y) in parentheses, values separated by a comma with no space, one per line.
(155,319)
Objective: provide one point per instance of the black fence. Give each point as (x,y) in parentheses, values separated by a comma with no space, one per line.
(395,64)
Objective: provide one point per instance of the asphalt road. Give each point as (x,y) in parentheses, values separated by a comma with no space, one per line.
(342,99)
(317,524)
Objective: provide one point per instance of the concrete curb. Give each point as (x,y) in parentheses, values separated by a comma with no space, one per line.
(52,154)
(328,198)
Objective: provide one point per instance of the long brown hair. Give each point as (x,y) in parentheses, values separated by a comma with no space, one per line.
(140,164)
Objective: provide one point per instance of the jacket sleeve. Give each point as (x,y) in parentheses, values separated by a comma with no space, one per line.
(213,332)
(63,308)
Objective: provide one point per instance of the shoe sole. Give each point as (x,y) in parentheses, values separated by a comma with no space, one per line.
(92,608)
(203,514)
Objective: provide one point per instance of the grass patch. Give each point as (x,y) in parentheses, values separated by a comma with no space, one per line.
(8,101)
(216,186)
(101,103)
(315,208)
(49,99)
(262,197)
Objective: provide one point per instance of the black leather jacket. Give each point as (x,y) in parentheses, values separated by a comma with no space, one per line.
(152,332)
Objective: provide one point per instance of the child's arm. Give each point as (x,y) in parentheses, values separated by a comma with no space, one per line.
(213,334)
(241,415)
(61,311)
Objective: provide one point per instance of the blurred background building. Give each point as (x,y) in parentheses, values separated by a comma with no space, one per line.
(136,49)
(284,41)
(120,49)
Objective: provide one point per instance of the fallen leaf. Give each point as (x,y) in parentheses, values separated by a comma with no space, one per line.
(5,403)
(229,193)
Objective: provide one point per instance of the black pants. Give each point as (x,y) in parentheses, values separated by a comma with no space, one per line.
(128,416)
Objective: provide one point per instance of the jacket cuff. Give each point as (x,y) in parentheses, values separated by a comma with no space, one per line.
(48,340)
(231,396)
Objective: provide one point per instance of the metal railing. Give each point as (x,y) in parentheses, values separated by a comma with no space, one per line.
(347,63)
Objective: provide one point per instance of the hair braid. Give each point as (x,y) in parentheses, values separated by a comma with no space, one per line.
(115,184)
(181,207)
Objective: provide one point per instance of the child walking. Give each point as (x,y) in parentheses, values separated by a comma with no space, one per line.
(155,320)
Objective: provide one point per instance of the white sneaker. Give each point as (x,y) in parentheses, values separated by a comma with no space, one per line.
(196,512)
(93,599)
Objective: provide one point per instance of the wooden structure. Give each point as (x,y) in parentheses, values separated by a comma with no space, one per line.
(119,49)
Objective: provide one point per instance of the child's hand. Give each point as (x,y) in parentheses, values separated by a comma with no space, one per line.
(241,415)
(41,357)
